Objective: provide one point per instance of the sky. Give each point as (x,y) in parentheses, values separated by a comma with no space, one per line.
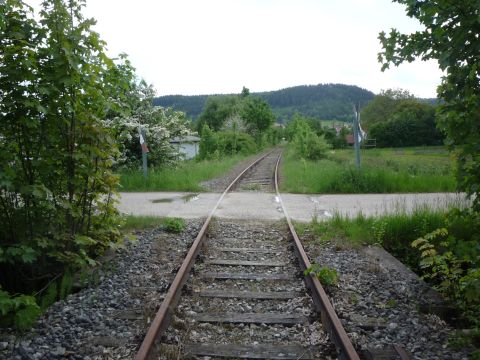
(193,47)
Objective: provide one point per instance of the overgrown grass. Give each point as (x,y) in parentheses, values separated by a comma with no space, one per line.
(383,171)
(394,232)
(185,177)
(132,222)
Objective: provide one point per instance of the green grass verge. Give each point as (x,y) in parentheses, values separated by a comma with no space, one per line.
(383,171)
(131,222)
(394,232)
(185,177)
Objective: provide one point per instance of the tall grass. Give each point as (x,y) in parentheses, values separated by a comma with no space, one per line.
(185,177)
(382,171)
(133,222)
(394,232)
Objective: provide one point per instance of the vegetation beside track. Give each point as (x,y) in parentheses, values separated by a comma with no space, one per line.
(184,177)
(440,246)
(417,169)
(133,222)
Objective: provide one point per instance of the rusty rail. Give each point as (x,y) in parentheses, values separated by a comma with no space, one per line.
(163,317)
(328,316)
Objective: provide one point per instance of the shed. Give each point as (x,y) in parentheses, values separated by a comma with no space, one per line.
(186,145)
(350,140)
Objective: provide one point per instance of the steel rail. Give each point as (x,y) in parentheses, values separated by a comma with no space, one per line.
(328,315)
(164,314)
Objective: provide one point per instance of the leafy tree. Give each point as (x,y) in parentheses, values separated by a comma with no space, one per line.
(306,143)
(56,154)
(208,143)
(217,110)
(413,124)
(160,125)
(224,143)
(245,92)
(257,115)
(450,37)
(383,106)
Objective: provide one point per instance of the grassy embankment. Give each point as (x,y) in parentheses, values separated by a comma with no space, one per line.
(383,171)
(185,177)
(394,231)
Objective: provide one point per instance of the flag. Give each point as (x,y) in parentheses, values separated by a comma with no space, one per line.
(143,144)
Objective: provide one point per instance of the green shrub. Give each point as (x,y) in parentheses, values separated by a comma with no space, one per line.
(174,225)
(20,311)
(326,275)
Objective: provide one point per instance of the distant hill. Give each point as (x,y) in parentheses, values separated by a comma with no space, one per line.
(323,101)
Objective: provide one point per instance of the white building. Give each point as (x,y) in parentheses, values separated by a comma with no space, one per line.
(187,146)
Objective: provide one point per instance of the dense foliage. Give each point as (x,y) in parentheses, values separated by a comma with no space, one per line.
(298,125)
(451,38)
(412,124)
(192,105)
(384,105)
(217,111)
(394,118)
(305,142)
(323,101)
(159,124)
(64,107)
(237,124)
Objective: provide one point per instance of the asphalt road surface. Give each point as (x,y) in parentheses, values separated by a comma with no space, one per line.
(266,206)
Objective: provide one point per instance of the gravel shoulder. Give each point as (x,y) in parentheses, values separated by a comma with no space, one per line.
(378,305)
(108,319)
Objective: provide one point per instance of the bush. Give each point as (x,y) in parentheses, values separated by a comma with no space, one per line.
(225,143)
(326,275)
(306,143)
(174,225)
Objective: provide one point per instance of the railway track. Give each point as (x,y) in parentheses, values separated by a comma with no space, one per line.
(260,177)
(244,295)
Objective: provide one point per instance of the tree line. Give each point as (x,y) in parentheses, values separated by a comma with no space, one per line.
(322,101)
(396,119)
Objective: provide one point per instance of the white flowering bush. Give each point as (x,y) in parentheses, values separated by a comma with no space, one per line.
(161,126)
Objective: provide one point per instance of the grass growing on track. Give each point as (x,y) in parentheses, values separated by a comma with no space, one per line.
(185,177)
(383,171)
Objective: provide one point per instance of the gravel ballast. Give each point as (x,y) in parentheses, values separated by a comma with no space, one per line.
(378,305)
(109,319)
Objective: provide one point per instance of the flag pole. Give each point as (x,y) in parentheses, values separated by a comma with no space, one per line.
(143,144)
(356,134)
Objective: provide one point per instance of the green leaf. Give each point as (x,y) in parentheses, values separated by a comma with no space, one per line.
(84,240)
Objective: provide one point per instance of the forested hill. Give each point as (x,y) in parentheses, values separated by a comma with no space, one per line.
(323,101)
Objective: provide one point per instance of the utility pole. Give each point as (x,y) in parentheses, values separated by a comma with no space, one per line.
(356,134)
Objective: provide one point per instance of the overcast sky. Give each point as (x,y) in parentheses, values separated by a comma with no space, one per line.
(194,47)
